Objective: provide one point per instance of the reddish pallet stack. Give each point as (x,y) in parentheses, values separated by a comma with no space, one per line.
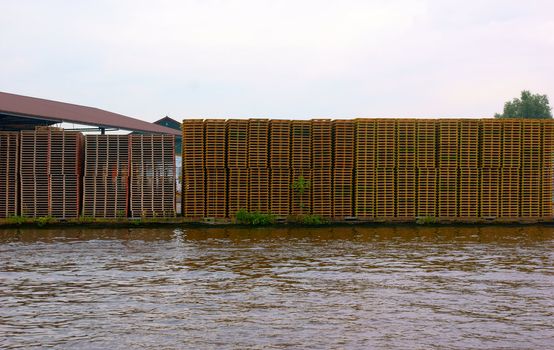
(152,175)
(106,180)
(9,156)
(51,173)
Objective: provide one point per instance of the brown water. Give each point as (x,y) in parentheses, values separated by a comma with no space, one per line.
(297,288)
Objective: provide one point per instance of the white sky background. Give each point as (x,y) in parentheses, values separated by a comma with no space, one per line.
(279,59)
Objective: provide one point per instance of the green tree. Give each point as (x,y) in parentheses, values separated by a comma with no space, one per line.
(531,106)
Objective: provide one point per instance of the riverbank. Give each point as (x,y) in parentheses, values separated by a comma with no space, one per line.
(20,222)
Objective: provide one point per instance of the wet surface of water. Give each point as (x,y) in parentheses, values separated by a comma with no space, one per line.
(284,288)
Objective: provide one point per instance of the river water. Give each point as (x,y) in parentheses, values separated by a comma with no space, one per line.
(281,288)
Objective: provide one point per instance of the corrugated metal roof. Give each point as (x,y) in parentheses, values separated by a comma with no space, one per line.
(71,113)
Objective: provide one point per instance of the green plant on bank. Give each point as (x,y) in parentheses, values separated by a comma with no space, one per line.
(120,214)
(314,220)
(426,220)
(86,219)
(44,220)
(16,220)
(256,219)
(300,186)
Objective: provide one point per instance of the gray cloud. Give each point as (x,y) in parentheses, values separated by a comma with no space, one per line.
(289,59)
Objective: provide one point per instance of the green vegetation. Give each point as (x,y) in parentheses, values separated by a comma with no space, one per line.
(426,220)
(314,220)
(45,220)
(530,106)
(301,185)
(16,220)
(256,219)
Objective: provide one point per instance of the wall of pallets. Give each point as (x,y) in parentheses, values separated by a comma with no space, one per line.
(65,175)
(371,169)
(50,176)
(106,176)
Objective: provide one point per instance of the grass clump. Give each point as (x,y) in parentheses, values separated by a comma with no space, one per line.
(44,220)
(255,219)
(16,220)
(426,220)
(314,220)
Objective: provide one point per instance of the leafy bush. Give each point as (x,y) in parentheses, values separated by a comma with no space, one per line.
(45,220)
(16,220)
(256,219)
(314,220)
(426,220)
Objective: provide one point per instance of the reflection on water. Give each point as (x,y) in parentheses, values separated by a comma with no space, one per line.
(279,288)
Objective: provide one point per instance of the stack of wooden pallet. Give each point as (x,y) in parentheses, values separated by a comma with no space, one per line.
(9,155)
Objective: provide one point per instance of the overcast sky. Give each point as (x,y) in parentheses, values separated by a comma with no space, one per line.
(281,59)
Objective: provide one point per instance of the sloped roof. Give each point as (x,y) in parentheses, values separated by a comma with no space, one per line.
(39,108)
